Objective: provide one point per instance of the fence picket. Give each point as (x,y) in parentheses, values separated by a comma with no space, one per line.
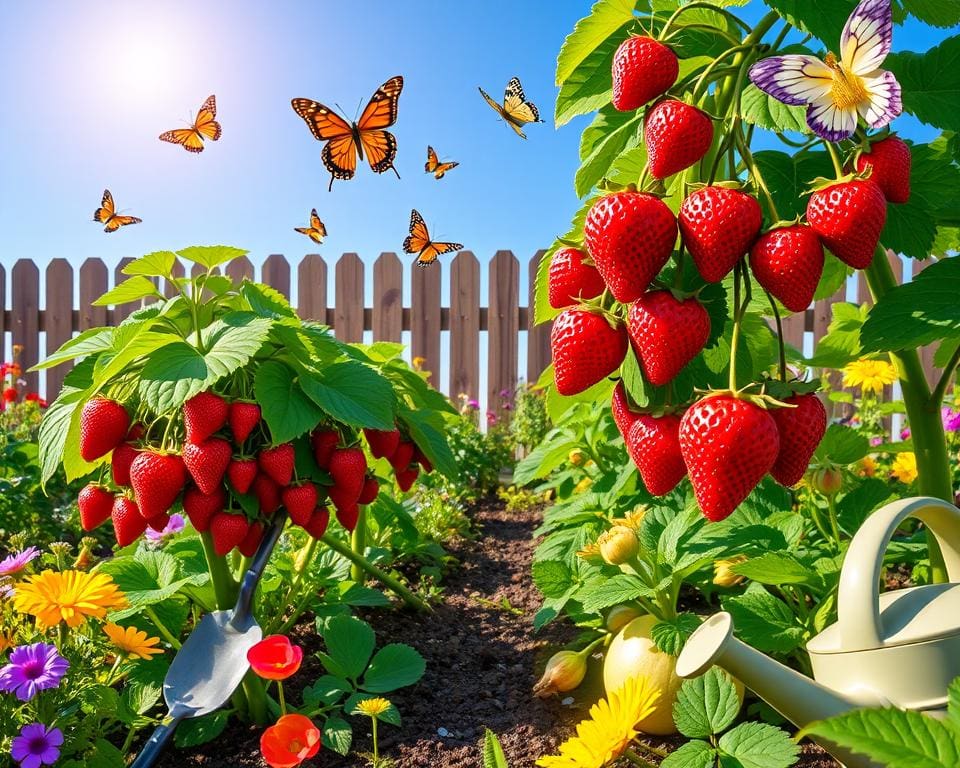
(348,314)
(312,288)
(387,298)
(503,326)
(425,318)
(58,317)
(93,284)
(276,273)
(25,317)
(465,325)
(240,268)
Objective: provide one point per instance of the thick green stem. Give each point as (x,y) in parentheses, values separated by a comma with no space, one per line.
(224,586)
(358,543)
(255,695)
(162,628)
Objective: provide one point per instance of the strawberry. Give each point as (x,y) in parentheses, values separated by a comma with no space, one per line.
(203,415)
(569,280)
(104,424)
(228,531)
(421,458)
(788,262)
(406,477)
(718,226)
(728,445)
(620,407)
(207,462)
(120,461)
(159,522)
(243,418)
(348,516)
(382,442)
(849,217)
(136,432)
(267,493)
(324,441)
(251,542)
(341,498)
(201,507)
(889,160)
(369,491)
(801,430)
(128,523)
(630,236)
(319,521)
(677,135)
(643,69)
(666,334)
(654,445)
(401,458)
(348,466)
(156,479)
(95,503)
(300,501)
(277,462)
(241,472)
(586,348)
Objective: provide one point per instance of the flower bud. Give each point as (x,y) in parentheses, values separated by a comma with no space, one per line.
(583,485)
(564,672)
(575,457)
(620,616)
(618,545)
(723,575)
(827,480)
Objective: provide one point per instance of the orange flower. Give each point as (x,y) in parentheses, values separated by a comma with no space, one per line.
(275,657)
(290,741)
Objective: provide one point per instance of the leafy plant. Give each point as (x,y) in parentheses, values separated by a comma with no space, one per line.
(493,756)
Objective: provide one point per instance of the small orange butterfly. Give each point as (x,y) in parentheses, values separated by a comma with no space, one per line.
(419,242)
(516,110)
(191,139)
(107,215)
(316,231)
(434,166)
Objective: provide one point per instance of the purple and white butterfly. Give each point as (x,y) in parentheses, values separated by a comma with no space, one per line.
(836,92)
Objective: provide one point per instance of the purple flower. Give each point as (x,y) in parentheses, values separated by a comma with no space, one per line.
(37,745)
(32,668)
(173,527)
(17,561)
(875,441)
(951,419)
(473,404)
(905,433)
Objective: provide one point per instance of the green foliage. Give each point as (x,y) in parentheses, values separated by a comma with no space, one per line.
(930,82)
(605,18)
(493,756)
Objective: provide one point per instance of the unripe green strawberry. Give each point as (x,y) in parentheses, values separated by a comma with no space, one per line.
(569,280)
(666,334)
(788,262)
(203,415)
(677,135)
(228,531)
(585,349)
(157,479)
(104,424)
(128,523)
(95,504)
(849,217)
(889,160)
(243,418)
(801,430)
(278,463)
(718,225)
(654,445)
(643,69)
(201,507)
(207,462)
(300,501)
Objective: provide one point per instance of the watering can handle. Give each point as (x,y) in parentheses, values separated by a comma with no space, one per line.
(858,606)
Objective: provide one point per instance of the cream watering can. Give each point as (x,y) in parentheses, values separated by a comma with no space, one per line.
(899,649)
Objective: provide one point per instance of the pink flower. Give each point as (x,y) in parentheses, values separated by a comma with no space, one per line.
(16,562)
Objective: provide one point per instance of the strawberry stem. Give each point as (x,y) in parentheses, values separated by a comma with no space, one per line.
(834,158)
(783,354)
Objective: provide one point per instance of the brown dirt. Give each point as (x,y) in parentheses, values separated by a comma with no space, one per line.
(482,661)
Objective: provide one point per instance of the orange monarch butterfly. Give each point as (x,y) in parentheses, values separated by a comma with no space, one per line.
(316,231)
(107,215)
(516,110)
(191,139)
(419,242)
(346,142)
(434,166)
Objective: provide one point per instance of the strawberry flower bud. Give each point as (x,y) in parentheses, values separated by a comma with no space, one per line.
(723,575)
(565,670)
(618,545)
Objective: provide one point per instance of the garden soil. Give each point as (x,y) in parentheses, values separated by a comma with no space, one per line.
(482,662)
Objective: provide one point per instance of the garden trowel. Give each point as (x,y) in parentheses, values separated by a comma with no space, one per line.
(213,660)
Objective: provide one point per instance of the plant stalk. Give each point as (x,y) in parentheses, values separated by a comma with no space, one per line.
(358,543)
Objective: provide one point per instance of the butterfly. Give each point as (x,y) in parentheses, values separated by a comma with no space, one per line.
(316,231)
(346,142)
(419,242)
(191,139)
(516,110)
(107,215)
(434,166)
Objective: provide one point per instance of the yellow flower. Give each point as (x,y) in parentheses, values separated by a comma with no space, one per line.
(418,362)
(869,375)
(132,641)
(583,485)
(609,730)
(723,575)
(635,518)
(590,552)
(905,467)
(70,596)
(373,707)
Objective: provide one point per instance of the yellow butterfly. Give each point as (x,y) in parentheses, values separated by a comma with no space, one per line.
(434,166)
(107,215)
(419,242)
(516,110)
(191,139)
(316,231)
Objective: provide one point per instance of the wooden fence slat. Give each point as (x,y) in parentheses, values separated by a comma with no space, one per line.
(93,284)
(425,318)
(3,305)
(538,336)
(312,288)
(276,273)
(25,326)
(387,298)
(503,326)
(58,319)
(794,326)
(348,317)
(465,326)
(240,268)
(121,312)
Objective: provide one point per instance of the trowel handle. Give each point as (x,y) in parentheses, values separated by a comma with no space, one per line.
(155,744)
(251,578)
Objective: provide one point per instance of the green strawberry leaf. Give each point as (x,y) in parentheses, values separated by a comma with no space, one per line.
(930,82)
(706,705)
(759,745)
(670,635)
(764,621)
(606,17)
(693,754)
(286,408)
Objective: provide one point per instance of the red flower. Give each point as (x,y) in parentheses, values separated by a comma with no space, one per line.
(9,394)
(34,397)
(290,741)
(275,657)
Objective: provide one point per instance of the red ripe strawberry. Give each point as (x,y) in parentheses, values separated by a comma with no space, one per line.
(156,479)
(159,522)
(103,426)
(120,461)
(382,442)
(348,516)
(666,333)
(201,507)
(348,466)
(718,225)
(243,418)
(889,160)
(677,135)
(620,407)
(318,522)
(401,458)
(406,477)
(801,430)
(248,547)
(300,501)
(207,462)
(369,491)
(267,493)
(128,523)
(643,68)
(630,236)
(241,472)
(324,441)
(95,503)
(788,262)
(569,280)
(421,458)
(136,432)
(849,217)
(342,499)
(728,445)
(228,531)
(654,446)
(277,462)
(203,415)
(585,348)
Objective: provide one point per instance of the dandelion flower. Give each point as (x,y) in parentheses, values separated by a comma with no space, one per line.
(869,375)
(373,707)
(132,641)
(70,596)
